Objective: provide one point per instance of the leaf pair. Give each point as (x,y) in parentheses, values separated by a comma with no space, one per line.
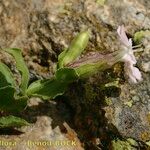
(21,66)
(50,88)
(13,98)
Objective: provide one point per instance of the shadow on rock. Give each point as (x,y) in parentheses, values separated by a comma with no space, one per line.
(81,107)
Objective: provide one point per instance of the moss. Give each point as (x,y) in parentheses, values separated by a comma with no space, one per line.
(121,145)
(148,143)
(132,142)
(139,35)
(108,101)
(101,2)
(129,103)
(113,83)
(90,94)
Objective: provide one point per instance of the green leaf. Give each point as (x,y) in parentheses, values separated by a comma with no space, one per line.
(6,76)
(50,88)
(61,57)
(8,101)
(66,75)
(21,66)
(46,89)
(12,121)
(75,49)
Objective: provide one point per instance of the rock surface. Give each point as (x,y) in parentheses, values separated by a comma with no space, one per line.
(97,113)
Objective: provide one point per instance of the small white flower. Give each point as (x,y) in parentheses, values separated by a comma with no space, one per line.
(129,59)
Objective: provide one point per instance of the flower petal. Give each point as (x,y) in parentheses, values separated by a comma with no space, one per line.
(130,58)
(133,73)
(136,73)
(123,36)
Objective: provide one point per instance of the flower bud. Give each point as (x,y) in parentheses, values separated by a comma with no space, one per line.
(75,49)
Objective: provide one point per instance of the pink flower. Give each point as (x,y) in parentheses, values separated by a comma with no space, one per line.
(123,37)
(133,73)
(129,59)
